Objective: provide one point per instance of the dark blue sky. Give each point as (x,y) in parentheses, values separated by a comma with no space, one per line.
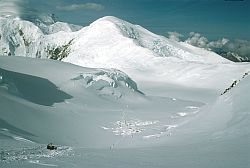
(212,18)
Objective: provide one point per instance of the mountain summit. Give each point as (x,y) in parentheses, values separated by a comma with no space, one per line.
(109,42)
(107,37)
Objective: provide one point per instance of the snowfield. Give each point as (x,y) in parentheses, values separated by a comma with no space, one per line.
(121,96)
(100,116)
(78,96)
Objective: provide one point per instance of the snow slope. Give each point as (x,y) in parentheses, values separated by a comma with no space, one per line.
(120,40)
(91,103)
(107,32)
(110,42)
(175,98)
(99,118)
(24,38)
(111,100)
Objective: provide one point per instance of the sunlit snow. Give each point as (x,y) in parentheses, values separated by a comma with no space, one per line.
(136,100)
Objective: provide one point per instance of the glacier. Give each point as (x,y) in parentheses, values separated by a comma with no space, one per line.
(113,94)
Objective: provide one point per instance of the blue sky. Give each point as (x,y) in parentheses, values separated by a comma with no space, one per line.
(212,18)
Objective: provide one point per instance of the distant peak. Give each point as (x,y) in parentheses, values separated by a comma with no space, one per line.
(111,19)
(46,19)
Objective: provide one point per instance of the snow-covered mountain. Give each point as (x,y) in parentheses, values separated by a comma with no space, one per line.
(110,42)
(134,94)
(49,24)
(233,56)
(108,34)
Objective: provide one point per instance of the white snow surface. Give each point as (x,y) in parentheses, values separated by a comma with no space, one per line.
(99,116)
(110,42)
(143,101)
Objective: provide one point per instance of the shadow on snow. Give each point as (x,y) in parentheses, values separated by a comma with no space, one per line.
(32,88)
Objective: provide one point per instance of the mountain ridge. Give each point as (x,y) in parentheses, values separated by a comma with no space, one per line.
(158,45)
(110,42)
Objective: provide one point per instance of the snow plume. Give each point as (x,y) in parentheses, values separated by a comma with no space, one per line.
(235,50)
(75,7)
